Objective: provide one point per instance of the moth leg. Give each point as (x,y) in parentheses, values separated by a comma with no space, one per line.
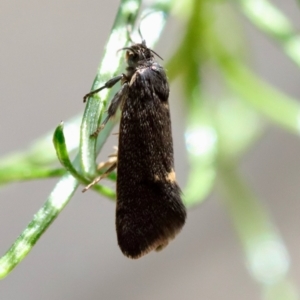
(97,179)
(112,160)
(110,83)
(112,109)
(111,163)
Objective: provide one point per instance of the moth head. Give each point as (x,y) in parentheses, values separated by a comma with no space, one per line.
(138,53)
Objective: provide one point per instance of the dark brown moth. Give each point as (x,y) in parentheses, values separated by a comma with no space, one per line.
(149,210)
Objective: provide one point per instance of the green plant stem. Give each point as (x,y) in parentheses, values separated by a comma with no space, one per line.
(57,200)
(110,65)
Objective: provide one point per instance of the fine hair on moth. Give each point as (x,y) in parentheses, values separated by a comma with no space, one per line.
(149,208)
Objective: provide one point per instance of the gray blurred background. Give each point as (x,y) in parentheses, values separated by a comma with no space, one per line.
(49,52)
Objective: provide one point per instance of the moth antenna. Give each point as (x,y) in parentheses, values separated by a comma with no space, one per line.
(141,36)
(129,28)
(128,48)
(129,33)
(156,54)
(139,28)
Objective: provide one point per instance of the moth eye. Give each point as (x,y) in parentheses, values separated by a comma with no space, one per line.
(134,56)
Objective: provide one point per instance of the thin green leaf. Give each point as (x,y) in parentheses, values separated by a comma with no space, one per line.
(57,200)
(63,156)
(273,22)
(278,107)
(233,139)
(200,136)
(201,144)
(267,257)
(61,150)
(28,172)
(36,161)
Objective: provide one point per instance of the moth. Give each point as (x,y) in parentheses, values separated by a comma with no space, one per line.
(149,209)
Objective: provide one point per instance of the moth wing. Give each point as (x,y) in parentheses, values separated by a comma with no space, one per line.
(149,210)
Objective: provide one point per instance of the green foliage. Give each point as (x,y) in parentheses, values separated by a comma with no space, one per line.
(214,142)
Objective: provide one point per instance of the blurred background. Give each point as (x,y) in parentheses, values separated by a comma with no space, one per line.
(49,57)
